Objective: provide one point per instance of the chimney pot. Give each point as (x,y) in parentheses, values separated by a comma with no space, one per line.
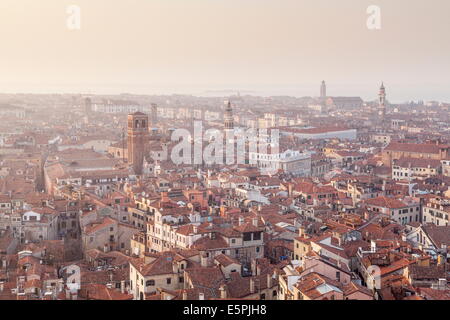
(223,292)
(204,260)
(301,231)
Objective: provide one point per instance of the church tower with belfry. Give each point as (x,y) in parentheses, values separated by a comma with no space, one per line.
(323,90)
(228,116)
(138,135)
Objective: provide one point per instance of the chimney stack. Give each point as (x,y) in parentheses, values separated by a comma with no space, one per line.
(269,281)
(175,267)
(441,260)
(275,274)
(255,222)
(301,231)
(252,285)
(204,260)
(164,196)
(223,292)
(201,296)
(122,286)
(241,221)
(185,296)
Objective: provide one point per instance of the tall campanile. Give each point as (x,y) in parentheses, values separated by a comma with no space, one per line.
(323,90)
(228,117)
(137,140)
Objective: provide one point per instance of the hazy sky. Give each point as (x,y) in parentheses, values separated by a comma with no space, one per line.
(264,46)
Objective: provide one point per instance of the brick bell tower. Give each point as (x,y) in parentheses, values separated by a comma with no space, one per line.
(137,140)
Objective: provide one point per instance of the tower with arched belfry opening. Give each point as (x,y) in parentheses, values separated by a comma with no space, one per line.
(137,140)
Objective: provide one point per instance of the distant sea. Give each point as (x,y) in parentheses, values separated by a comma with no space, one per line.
(396,93)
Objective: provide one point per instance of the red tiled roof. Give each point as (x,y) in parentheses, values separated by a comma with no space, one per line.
(385,202)
(415,148)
